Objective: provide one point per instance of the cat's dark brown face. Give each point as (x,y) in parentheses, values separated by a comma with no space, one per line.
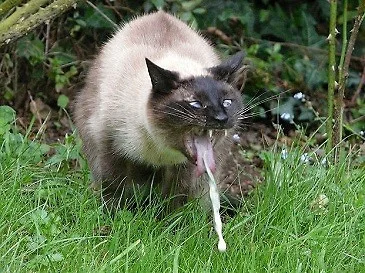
(194,112)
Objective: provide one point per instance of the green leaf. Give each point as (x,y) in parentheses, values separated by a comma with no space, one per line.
(72,72)
(95,20)
(286,107)
(190,5)
(264,15)
(306,114)
(159,4)
(186,16)
(7,116)
(309,35)
(199,11)
(56,257)
(63,101)
(32,49)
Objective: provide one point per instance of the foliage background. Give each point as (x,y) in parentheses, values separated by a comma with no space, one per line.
(285,43)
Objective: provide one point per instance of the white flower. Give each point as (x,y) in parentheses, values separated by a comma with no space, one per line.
(286,116)
(324,161)
(300,96)
(236,138)
(305,158)
(284,154)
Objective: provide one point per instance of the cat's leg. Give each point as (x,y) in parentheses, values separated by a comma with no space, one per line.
(122,183)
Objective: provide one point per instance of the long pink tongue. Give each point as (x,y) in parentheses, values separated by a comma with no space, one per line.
(203,145)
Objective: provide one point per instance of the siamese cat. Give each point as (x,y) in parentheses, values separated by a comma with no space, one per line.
(156,101)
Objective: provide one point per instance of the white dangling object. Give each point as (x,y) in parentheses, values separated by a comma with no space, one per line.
(214,198)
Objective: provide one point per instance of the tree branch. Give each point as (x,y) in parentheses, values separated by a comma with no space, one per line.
(44,14)
(20,14)
(8,5)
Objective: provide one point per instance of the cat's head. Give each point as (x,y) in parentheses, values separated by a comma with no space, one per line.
(193,112)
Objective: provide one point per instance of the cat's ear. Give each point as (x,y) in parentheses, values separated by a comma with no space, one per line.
(163,81)
(226,70)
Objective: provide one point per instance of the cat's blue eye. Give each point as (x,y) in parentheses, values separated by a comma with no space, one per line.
(227,103)
(196,104)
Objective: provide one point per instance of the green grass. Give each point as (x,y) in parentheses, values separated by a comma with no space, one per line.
(50,222)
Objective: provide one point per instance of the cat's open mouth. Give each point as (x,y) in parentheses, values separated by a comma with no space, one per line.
(198,144)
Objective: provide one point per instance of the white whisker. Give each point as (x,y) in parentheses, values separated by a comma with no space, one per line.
(249,106)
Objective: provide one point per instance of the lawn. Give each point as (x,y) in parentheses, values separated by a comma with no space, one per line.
(304,218)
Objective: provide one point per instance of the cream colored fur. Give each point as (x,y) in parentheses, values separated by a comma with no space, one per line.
(120,85)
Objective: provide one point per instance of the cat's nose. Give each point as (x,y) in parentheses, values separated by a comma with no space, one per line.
(221,117)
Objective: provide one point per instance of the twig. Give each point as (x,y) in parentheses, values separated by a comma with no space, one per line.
(338,100)
(343,75)
(359,87)
(102,14)
(46,48)
(307,49)
(331,73)
(110,5)
(357,120)
(44,14)
(358,20)
(220,34)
